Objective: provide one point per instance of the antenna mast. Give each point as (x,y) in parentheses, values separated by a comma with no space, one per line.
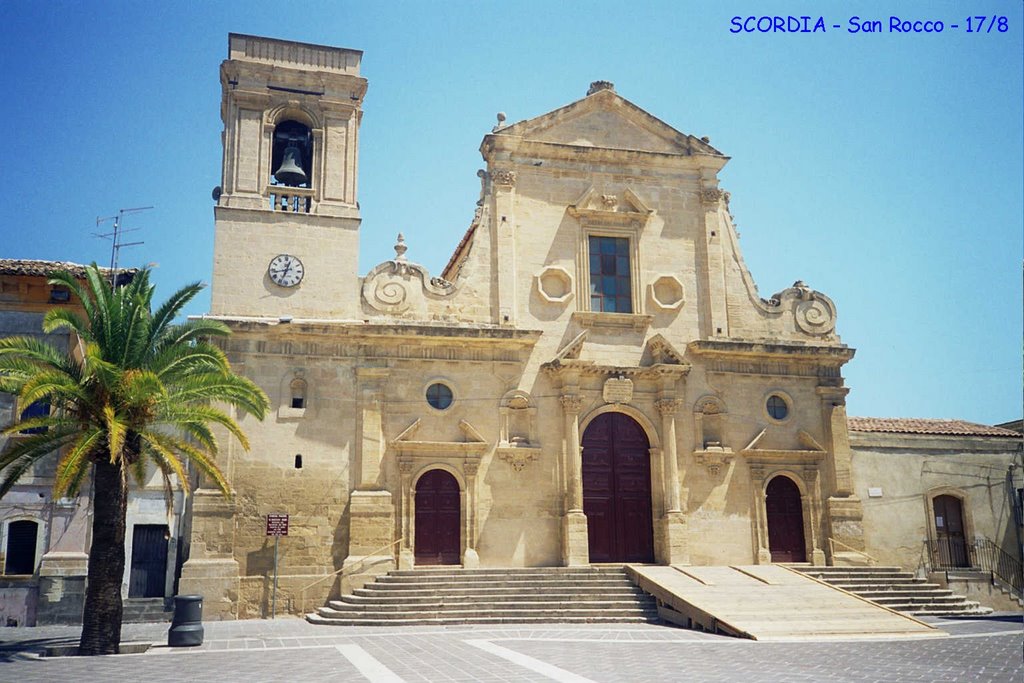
(115,237)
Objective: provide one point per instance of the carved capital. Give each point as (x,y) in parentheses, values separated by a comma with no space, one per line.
(503,176)
(667,406)
(711,195)
(571,403)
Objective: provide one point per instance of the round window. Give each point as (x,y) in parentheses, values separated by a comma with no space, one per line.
(777,407)
(439,396)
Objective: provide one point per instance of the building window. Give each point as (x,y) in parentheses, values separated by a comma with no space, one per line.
(298,394)
(37,409)
(439,396)
(610,278)
(21,547)
(777,407)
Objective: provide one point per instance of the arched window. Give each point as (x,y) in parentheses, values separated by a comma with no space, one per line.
(21,547)
(298,388)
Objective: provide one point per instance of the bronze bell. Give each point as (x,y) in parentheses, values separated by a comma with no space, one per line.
(290,172)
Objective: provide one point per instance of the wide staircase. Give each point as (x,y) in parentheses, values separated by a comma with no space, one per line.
(566,595)
(897,589)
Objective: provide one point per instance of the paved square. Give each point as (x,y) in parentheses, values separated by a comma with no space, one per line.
(982,649)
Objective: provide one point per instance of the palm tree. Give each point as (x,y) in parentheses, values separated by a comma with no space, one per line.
(137,389)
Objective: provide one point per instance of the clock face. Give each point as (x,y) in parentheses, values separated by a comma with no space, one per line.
(286,270)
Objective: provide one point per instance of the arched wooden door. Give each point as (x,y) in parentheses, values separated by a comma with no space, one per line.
(949,528)
(617,490)
(437,519)
(785,521)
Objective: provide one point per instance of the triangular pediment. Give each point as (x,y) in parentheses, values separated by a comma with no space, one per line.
(609,121)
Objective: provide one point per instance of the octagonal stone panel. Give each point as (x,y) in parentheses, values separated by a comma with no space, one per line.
(554,284)
(667,293)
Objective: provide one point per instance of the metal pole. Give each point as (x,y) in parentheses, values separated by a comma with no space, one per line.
(273,599)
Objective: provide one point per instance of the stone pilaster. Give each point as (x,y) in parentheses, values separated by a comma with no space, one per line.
(845,510)
(371,509)
(575,543)
(470,557)
(503,184)
(673,523)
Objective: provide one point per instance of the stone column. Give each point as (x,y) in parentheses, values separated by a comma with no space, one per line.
(674,521)
(845,510)
(575,543)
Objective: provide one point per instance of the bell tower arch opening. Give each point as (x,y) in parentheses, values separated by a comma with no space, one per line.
(291,157)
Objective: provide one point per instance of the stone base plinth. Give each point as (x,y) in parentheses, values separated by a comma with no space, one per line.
(371,533)
(61,588)
(673,539)
(217,581)
(575,543)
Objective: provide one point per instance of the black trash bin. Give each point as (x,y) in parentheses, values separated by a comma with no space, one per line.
(187,623)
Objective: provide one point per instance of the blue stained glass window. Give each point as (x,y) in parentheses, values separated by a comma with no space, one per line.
(610,281)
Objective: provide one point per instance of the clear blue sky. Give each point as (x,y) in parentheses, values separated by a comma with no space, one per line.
(882,169)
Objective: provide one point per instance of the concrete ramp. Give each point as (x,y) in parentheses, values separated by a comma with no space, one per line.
(769,602)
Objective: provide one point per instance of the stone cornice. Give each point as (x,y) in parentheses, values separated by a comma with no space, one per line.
(771,358)
(360,330)
(498,146)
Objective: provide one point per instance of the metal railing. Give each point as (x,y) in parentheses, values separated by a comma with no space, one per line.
(832,543)
(375,555)
(980,554)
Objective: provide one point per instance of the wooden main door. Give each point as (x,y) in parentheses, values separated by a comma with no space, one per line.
(617,490)
(148,578)
(785,521)
(437,519)
(949,528)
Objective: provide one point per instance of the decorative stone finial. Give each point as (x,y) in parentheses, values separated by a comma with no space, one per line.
(501,122)
(600,85)
(400,248)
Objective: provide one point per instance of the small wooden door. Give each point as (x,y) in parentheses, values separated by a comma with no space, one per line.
(617,490)
(437,519)
(949,528)
(148,578)
(785,521)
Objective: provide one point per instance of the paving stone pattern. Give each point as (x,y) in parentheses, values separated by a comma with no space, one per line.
(980,649)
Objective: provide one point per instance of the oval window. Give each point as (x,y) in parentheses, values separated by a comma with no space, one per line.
(777,407)
(439,396)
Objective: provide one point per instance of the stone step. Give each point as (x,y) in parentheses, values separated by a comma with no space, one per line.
(491,611)
(898,590)
(525,584)
(146,610)
(454,621)
(383,597)
(443,606)
(443,595)
(513,571)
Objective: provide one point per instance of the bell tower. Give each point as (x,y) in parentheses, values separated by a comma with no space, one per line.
(287,219)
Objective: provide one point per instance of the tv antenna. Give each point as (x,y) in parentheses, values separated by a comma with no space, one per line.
(115,237)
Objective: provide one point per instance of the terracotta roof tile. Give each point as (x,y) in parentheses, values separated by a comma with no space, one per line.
(905,425)
(41,268)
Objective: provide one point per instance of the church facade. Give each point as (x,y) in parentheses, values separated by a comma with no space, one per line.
(593,377)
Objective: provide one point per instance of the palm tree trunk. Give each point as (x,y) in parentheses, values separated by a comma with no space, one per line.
(101,620)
